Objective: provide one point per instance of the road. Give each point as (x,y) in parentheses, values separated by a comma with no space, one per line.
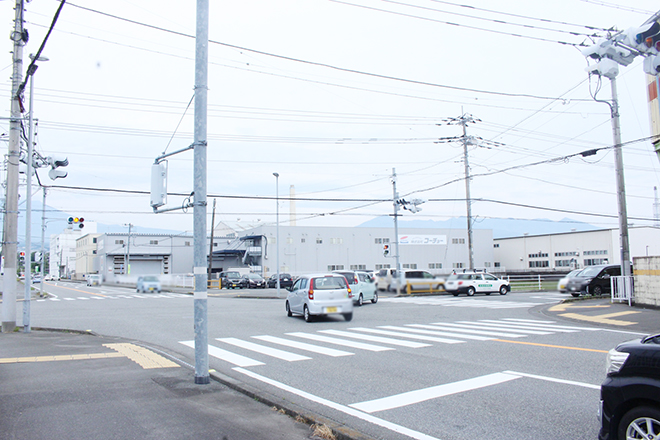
(423,367)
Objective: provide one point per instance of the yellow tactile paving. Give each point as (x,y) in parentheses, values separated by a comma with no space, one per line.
(563,306)
(145,358)
(68,357)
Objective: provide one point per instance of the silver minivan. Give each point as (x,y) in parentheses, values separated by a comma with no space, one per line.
(320,295)
(362,284)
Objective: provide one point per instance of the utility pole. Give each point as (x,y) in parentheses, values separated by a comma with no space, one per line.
(468,200)
(43,233)
(10,245)
(395,198)
(199,208)
(127,260)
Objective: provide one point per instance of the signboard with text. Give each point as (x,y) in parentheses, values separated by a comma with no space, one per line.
(423,239)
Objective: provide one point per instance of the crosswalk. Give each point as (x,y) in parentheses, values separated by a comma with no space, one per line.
(472,302)
(337,343)
(110,297)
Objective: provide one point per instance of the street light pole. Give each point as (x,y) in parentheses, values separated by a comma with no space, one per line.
(395,198)
(277,229)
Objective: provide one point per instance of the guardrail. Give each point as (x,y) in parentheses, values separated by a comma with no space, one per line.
(622,289)
(534,282)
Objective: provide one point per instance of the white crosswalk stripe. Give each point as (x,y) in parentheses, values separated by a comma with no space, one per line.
(412,336)
(471,302)
(112,296)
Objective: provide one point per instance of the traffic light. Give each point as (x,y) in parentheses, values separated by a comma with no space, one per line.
(56,162)
(386,250)
(645,37)
(652,65)
(21,257)
(77,221)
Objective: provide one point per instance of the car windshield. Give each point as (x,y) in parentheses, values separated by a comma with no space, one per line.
(329,283)
(590,271)
(254,276)
(284,275)
(150,279)
(233,274)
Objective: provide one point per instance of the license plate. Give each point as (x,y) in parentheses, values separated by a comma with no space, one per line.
(331,309)
(152,288)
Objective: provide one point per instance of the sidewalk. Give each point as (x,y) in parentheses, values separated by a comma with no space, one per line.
(77,385)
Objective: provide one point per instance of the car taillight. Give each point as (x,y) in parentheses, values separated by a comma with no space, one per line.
(310,294)
(350,293)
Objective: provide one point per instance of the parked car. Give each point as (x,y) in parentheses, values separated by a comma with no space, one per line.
(384,278)
(418,279)
(94,280)
(253,281)
(230,279)
(630,395)
(563,283)
(36,279)
(593,280)
(51,278)
(362,284)
(286,281)
(148,283)
(320,295)
(473,282)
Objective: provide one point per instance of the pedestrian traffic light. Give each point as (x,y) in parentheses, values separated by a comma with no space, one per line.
(386,250)
(77,221)
(56,162)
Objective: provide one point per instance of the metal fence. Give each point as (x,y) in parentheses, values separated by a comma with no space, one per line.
(623,289)
(534,281)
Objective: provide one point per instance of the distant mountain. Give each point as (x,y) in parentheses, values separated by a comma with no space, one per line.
(502,228)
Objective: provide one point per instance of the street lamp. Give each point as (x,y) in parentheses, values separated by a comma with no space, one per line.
(277,229)
(28,204)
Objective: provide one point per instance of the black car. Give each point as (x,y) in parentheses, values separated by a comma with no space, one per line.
(230,279)
(593,280)
(253,281)
(630,395)
(286,280)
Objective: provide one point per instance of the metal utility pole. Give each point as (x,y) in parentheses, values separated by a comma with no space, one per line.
(10,245)
(468,200)
(277,230)
(620,183)
(43,233)
(127,260)
(199,209)
(208,276)
(395,198)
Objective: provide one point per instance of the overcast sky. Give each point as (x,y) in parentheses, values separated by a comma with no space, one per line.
(333,95)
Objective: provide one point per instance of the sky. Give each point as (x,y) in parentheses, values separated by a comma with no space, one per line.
(333,96)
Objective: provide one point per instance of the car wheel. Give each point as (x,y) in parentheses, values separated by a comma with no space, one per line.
(374,300)
(503,290)
(598,291)
(288,309)
(640,422)
(137,290)
(575,295)
(348,316)
(307,315)
(470,291)
(360,300)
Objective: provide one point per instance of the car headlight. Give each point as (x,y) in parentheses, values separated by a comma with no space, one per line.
(615,360)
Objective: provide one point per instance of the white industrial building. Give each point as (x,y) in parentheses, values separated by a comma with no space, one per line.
(566,251)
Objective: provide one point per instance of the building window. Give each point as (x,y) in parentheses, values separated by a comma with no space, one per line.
(382,266)
(594,253)
(498,264)
(358,267)
(458,265)
(302,240)
(153,242)
(289,240)
(566,254)
(435,265)
(539,255)
(215,244)
(381,240)
(563,263)
(187,243)
(457,241)
(94,240)
(496,245)
(332,267)
(595,261)
(487,264)
(336,241)
(94,252)
(544,263)
(409,266)
(319,240)
(119,241)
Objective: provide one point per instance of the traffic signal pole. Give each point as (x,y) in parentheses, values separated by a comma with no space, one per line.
(395,198)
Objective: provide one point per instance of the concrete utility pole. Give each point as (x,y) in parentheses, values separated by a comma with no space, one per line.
(277,230)
(468,200)
(43,234)
(208,276)
(10,245)
(199,209)
(620,183)
(395,199)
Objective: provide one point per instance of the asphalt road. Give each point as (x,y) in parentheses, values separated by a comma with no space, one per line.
(440,367)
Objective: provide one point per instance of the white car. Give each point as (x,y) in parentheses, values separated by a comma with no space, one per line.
(473,282)
(320,295)
(562,285)
(362,284)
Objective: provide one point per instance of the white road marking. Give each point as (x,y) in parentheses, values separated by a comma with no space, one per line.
(431,330)
(339,407)
(274,352)
(527,326)
(404,335)
(488,326)
(343,342)
(303,346)
(552,379)
(226,356)
(462,329)
(380,339)
(591,329)
(417,396)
